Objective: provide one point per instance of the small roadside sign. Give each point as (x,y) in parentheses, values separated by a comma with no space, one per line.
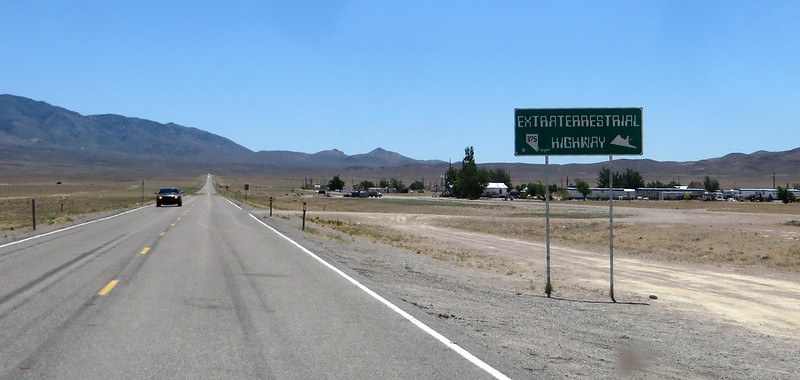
(577,131)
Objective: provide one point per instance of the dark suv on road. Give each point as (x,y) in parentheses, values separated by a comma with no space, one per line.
(169,196)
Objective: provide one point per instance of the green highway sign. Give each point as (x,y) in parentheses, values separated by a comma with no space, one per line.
(577,131)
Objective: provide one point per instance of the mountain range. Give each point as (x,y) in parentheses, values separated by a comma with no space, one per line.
(35,134)
(36,125)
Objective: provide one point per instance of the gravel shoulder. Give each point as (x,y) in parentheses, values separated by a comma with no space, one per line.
(707,321)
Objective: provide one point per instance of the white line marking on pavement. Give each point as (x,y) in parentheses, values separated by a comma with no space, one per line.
(447,342)
(234,204)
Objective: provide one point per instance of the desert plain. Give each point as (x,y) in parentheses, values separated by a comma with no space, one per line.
(701,289)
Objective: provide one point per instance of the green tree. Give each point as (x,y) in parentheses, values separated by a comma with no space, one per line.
(398,184)
(674,184)
(604,177)
(450,178)
(711,185)
(536,189)
(384,183)
(417,185)
(583,188)
(785,195)
(631,179)
(366,184)
(499,175)
(470,181)
(336,184)
(556,191)
(656,185)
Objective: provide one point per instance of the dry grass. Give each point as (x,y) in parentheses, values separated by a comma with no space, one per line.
(701,244)
(61,203)
(745,207)
(418,245)
(293,199)
(711,245)
(583,227)
(579,226)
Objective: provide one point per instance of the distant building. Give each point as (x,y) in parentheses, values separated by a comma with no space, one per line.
(752,194)
(496,190)
(640,193)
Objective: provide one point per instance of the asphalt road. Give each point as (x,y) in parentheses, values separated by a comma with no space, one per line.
(202,291)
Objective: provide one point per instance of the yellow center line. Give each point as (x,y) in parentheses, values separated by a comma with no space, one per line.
(145,250)
(108,288)
(172,225)
(162,234)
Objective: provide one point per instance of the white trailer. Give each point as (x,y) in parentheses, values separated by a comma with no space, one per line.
(496,190)
(753,194)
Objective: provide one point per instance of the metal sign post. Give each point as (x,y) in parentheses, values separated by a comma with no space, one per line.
(548,288)
(611,228)
(578,132)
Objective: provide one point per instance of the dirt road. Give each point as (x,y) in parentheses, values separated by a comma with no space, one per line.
(708,321)
(762,300)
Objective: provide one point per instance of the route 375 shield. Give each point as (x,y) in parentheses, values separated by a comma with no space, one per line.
(533,141)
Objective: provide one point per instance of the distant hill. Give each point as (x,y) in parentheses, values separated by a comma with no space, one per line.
(733,170)
(37,138)
(336,159)
(36,126)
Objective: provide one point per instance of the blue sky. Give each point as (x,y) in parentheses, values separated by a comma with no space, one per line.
(424,79)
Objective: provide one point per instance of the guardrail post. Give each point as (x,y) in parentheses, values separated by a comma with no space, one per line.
(304,216)
(33,212)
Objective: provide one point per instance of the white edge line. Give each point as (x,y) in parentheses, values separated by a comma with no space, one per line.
(234,204)
(447,342)
(71,227)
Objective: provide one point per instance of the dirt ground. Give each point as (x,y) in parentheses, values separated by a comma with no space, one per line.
(713,321)
(672,319)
